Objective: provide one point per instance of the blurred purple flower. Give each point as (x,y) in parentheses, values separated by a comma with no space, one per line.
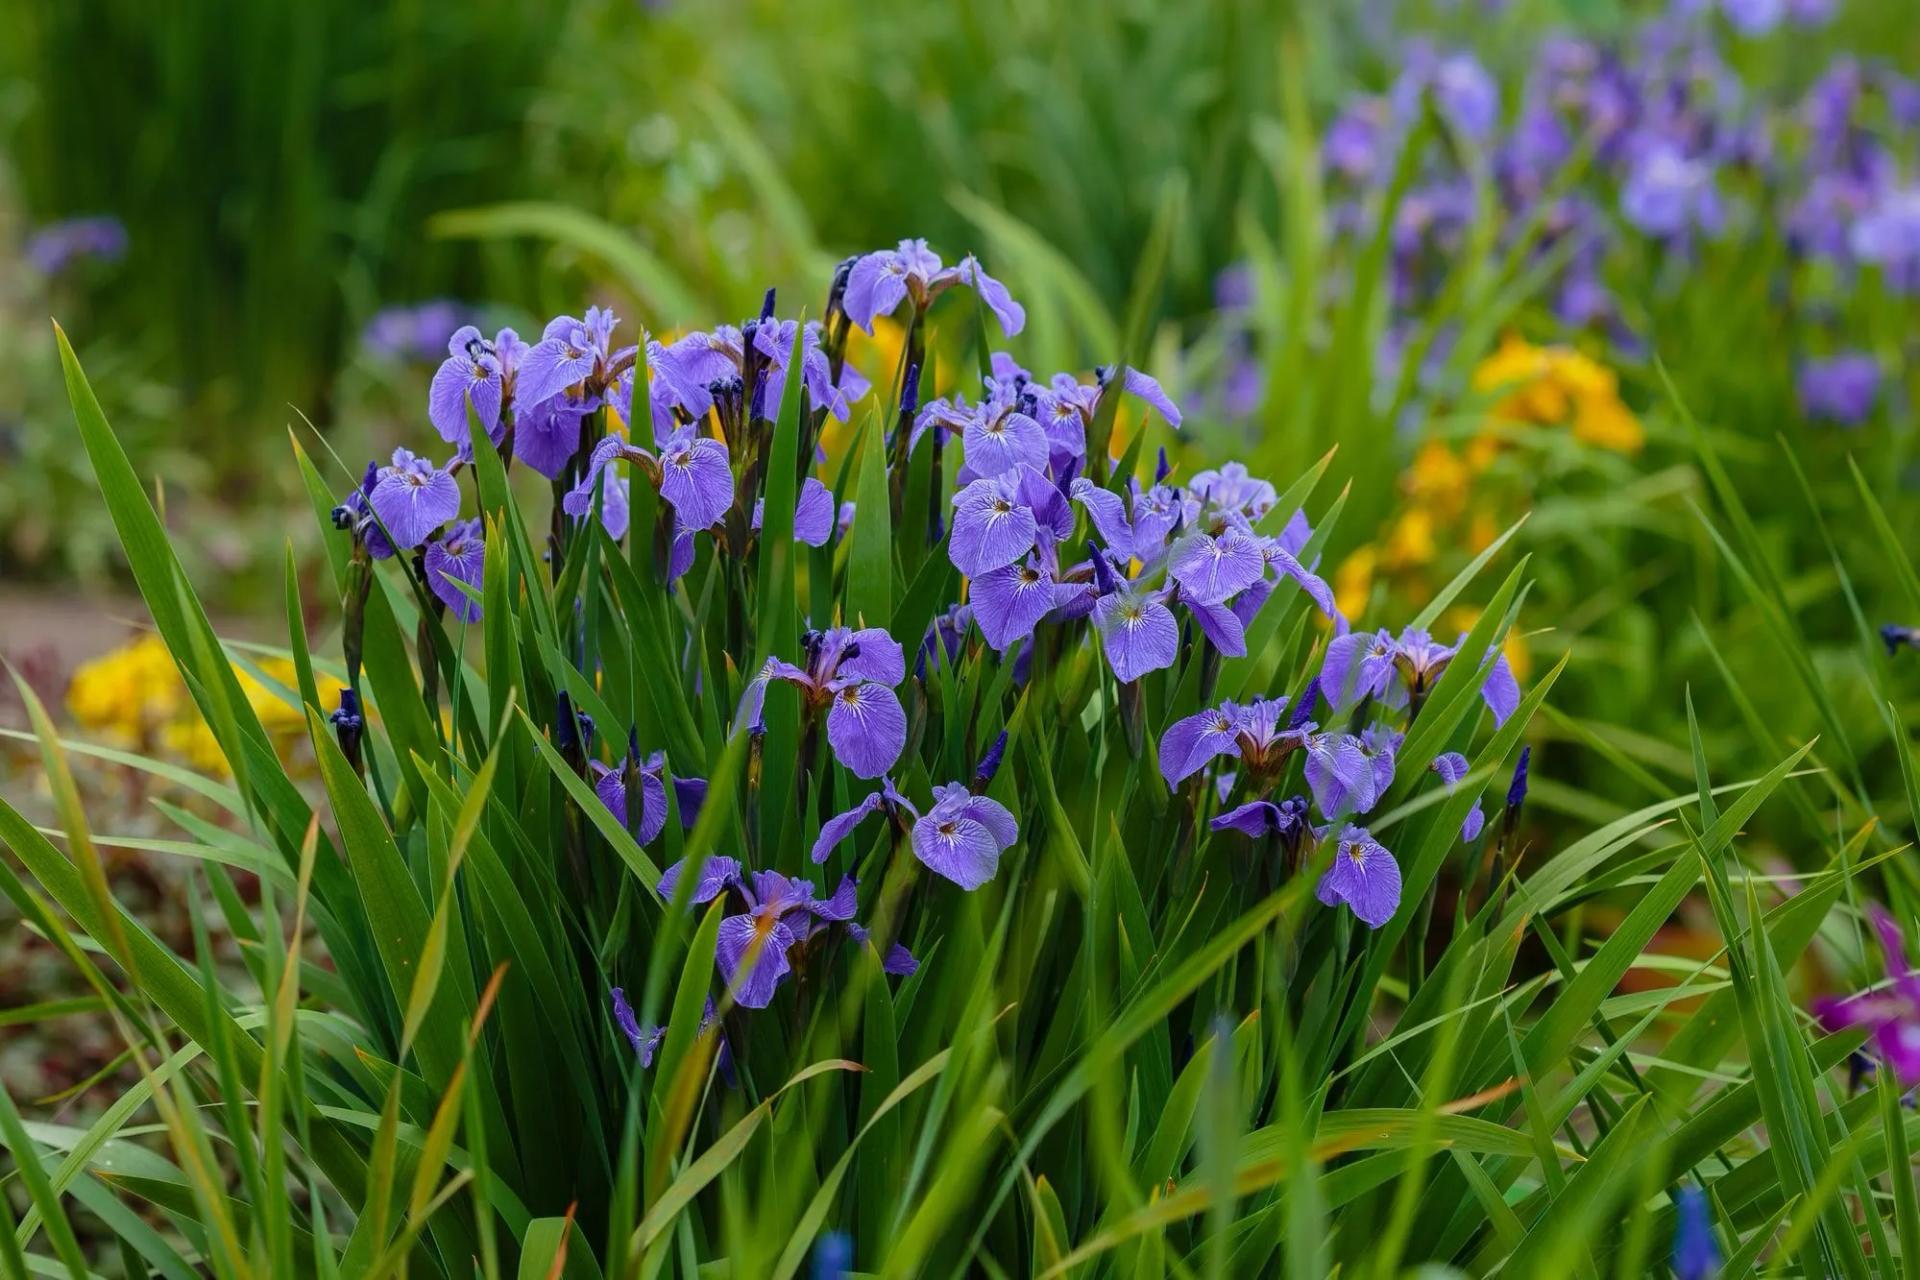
(417,332)
(1891,1013)
(1840,389)
(58,245)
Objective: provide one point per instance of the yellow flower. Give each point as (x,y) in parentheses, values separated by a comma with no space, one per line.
(135,695)
(1549,386)
(1411,543)
(1438,479)
(1353,582)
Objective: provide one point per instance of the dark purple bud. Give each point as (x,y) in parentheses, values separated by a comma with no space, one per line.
(910,393)
(370,477)
(989,763)
(349,726)
(851,652)
(1103,577)
(1517,793)
(1895,636)
(633,746)
(342,517)
(1103,374)
(766,305)
(1303,706)
(1162,468)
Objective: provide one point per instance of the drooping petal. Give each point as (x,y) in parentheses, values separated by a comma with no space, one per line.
(1364,876)
(461,378)
(960,849)
(645,1040)
(696,479)
(459,557)
(1109,514)
(549,367)
(1451,766)
(413,502)
(1138,634)
(1211,569)
(1340,775)
(1312,583)
(842,825)
(1012,316)
(1189,745)
(1474,823)
(995,817)
(1005,443)
(1222,626)
(1009,603)
(989,528)
(1256,818)
(579,499)
(751,953)
(876,286)
(1148,389)
(547,435)
(841,905)
(866,729)
(717,875)
(1500,690)
(1356,666)
(813,514)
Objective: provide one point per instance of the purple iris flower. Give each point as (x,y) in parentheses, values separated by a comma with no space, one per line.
(780,913)
(813,513)
(355,513)
(1287,819)
(1356,139)
(458,556)
(1137,632)
(1696,1255)
(412,498)
(1754,17)
(1364,876)
(571,353)
(1465,95)
(1841,389)
(1010,601)
(1888,236)
(1452,766)
(645,1040)
(1399,671)
(1892,1012)
(1136,526)
(960,838)
(417,332)
(775,339)
(692,472)
(880,281)
(547,435)
(1668,193)
(475,371)
(56,246)
(1344,773)
(998,519)
(611,786)
(851,674)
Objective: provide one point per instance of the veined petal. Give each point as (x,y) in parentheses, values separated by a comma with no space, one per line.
(1138,634)
(1009,603)
(752,958)
(696,478)
(878,658)
(1211,569)
(866,729)
(1190,744)
(958,848)
(1364,876)
(842,825)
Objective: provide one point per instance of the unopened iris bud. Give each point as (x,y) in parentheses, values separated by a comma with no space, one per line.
(1303,707)
(1897,637)
(910,393)
(1162,468)
(989,763)
(349,726)
(1103,577)
(1517,793)
(766,305)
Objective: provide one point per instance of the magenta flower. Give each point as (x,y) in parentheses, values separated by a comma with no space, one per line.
(459,556)
(1891,1013)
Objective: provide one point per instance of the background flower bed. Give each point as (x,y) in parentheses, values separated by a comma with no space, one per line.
(1623,560)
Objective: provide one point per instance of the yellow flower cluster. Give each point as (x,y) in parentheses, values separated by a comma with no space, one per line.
(134,695)
(1443,503)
